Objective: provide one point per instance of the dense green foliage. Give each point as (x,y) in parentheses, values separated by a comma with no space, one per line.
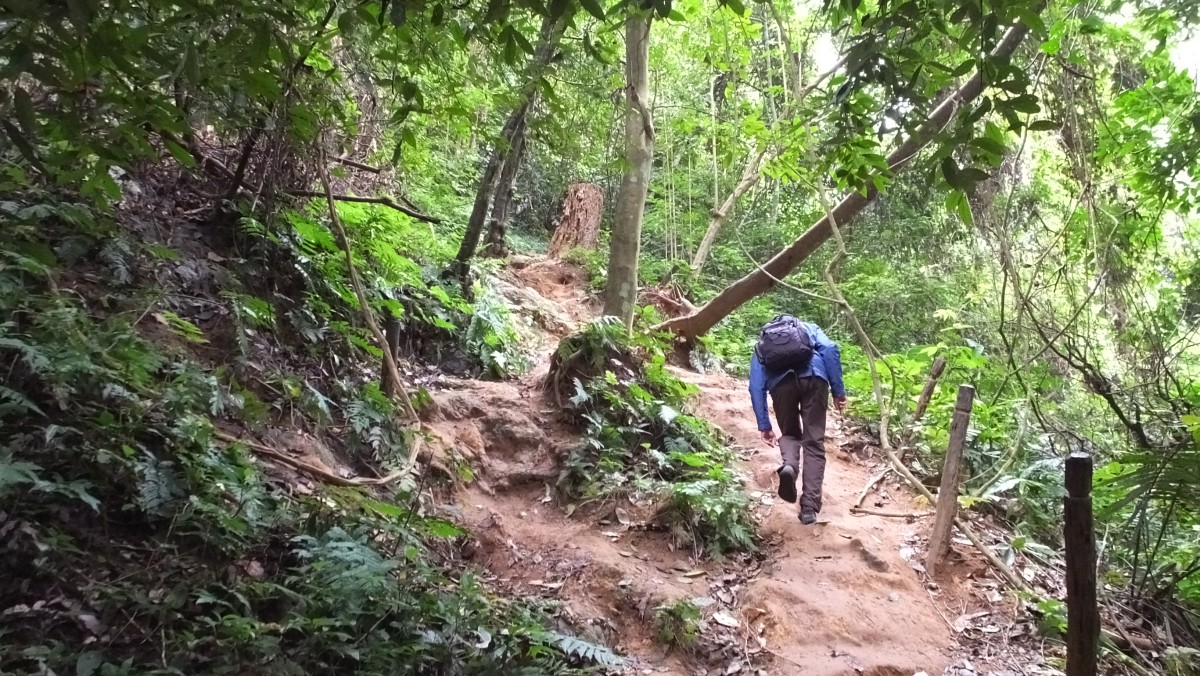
(113,457)
(640,445)
(164,283)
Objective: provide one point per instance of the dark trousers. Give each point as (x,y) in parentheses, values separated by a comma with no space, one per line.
(800,405)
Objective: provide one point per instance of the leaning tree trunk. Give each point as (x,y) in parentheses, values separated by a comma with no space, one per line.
(620,291)
(764,278)
(551,33)
(498,225)
(579,219)
(717,218)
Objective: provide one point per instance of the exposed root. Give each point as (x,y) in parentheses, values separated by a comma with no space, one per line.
(313,470)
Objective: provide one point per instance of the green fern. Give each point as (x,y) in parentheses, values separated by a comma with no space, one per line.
(181,327)
(584,650)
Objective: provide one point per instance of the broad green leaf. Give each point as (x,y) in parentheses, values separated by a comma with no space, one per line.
(88,663)
(347,21)
(442,529)
(384,509)
(594,8)
(180,153)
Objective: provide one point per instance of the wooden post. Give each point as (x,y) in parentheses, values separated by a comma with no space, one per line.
(1083,616)
(947,501)
(935,372)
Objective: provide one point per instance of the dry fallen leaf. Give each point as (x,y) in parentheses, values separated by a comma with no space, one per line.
(725,619)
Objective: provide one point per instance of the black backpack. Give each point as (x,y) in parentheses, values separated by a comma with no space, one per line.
(784,344)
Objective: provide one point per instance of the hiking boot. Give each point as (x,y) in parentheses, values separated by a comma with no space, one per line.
(808,517)
(787,483)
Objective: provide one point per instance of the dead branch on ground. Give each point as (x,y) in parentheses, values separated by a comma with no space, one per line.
(859,511)
(870,485)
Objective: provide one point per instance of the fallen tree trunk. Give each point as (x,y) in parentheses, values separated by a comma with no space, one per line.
(761,280)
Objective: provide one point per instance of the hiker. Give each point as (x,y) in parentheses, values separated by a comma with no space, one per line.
(798,364)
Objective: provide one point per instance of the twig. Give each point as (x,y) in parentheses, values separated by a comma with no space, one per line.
(364,305)
(860,511)
(1022,426)
(867,489)
(385,201)
(357,165)
(786,659)
(939,609)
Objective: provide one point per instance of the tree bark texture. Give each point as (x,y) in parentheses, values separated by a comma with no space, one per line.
(620,291)
(947,499)
(579,219)
(783,263)
(502,201)
(935,372)
(551,32)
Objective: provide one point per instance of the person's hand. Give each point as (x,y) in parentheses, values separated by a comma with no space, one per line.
(768,437)
(840,403)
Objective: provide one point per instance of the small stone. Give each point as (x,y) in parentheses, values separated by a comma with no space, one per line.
(894,597)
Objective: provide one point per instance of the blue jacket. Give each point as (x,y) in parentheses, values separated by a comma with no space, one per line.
(826,364)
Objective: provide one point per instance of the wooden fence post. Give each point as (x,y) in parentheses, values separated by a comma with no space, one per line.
(935,372)
(1083,615)
(947,501)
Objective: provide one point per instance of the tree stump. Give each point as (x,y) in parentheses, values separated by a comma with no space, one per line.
(578,219)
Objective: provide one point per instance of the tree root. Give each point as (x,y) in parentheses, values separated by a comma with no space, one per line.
(313,470)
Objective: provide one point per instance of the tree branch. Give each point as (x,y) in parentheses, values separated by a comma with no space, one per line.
(385,201)
(357,165)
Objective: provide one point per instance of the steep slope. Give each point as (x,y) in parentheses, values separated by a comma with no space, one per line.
(833,598)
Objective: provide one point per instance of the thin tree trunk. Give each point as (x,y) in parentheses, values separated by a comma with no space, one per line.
(749,179)
(620,291)
(792,70)
(498,225)
(551,32)
(783,263)
(750,174)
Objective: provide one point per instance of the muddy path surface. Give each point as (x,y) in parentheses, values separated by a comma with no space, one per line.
(828,599)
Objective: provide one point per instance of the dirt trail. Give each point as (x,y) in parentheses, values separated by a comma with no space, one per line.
(829,599)
(840,598)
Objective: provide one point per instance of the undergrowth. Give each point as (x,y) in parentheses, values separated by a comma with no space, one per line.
(640,445)
(401,262)
(134,539)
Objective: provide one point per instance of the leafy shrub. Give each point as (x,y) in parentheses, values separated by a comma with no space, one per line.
(678,623)
(498,338)
(593,261)
(637,443)
(116,488)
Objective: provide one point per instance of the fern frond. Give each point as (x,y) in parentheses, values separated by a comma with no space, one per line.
(585,650)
